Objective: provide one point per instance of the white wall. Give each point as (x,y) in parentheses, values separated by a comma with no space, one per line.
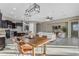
(47,27)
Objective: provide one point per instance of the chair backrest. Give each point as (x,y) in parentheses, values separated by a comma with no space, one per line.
(44,36)
(53,37)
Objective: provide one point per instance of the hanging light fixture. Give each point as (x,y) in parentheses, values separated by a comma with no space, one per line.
(32,10)
(50,18)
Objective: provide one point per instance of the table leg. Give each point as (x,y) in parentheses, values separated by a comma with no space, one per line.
(44,51)
(33,51)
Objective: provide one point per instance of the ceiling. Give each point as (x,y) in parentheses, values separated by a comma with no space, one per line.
(55,10)
(14,10)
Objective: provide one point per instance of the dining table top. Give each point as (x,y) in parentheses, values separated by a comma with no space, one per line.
(39,41)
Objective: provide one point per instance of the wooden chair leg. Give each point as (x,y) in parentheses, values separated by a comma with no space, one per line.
(33,51)
(44,51)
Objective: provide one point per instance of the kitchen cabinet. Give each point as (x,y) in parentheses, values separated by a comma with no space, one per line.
(2,38)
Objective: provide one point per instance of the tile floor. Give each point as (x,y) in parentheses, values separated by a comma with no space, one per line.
(61,47)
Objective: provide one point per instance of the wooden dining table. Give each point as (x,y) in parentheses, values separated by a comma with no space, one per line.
(37,42)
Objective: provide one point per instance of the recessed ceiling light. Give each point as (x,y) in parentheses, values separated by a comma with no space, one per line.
(14,8)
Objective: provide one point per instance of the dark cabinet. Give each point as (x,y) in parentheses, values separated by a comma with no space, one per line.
(6,24)
(13,25)
(0,15)
(2,43)
(3,24)
(0,23)
(7,33)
